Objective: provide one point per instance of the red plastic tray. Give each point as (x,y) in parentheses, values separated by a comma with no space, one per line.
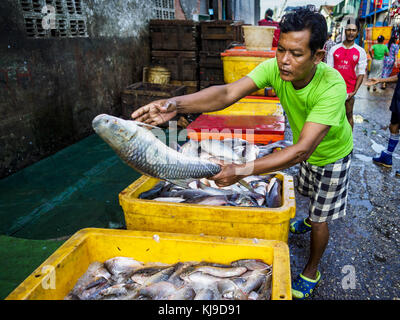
(260,124)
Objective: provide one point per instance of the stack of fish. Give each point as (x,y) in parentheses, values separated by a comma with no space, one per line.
(123,278)
(191,165)
(266,193)
(252,191)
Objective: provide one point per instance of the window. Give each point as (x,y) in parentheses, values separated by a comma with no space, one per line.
(64,18)
(164,9)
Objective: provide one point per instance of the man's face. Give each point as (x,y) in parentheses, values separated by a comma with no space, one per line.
(293,55)
(351,32)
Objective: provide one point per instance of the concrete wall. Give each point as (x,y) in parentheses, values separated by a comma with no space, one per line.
(52,88)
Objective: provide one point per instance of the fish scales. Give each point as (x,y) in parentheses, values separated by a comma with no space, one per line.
(140,149)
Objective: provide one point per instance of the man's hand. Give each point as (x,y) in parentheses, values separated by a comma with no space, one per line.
(350,95)
(372,82)
(156,112)
(228,174)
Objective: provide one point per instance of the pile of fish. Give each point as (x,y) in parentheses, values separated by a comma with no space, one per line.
(123,278)
(230,150)
(185,170)
(251,191)
(266,192)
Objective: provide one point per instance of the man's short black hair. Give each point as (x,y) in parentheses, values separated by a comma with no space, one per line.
(302,19)
(381,39)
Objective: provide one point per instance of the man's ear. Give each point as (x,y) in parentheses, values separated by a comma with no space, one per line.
(319,56)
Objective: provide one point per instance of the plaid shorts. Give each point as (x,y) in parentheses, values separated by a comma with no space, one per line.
(327,188)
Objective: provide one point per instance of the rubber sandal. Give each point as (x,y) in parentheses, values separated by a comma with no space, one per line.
(303,287)
(300,226)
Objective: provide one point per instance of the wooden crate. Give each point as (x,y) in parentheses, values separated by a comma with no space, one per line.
(211,67)
(210,60)
(191,86)
(215,75)
(182,64)
(217,36)
(140,94)
(174,35)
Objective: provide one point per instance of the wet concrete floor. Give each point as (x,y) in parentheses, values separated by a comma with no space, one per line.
(362,259)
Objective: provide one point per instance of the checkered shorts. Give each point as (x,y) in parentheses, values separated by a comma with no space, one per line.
(327,188)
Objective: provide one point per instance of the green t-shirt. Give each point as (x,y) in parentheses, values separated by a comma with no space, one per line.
(321,101)
(379,51)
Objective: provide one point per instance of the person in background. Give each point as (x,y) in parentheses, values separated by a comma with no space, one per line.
(328,45)
(351,61)
(385,158)
(268,16)
(268,21)
(391,59)
(377,53)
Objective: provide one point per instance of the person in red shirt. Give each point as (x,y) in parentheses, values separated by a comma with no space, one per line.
(268,21)
(351,61)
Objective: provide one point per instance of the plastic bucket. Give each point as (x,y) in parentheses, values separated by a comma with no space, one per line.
(258,37)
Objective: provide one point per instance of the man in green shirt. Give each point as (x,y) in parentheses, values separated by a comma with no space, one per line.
(379,50)
(313,96)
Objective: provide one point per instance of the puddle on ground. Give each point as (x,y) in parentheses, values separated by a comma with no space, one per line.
(363,158)
(378,148)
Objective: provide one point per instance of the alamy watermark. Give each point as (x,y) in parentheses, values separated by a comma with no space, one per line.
(49,279)
(349,280)
(49,20)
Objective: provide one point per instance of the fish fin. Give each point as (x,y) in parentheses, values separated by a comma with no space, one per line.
(246,185)
(183,183)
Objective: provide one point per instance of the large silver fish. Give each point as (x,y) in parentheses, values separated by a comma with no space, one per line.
(141,150)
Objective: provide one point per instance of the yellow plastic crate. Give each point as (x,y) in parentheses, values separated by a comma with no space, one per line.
(243,222)
(72,259)
(236,68)
(252,106)
(373,33)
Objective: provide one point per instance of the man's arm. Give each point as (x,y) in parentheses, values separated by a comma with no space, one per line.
(374,81)
(310,137)
(361,69)
(360,79)
(207,100)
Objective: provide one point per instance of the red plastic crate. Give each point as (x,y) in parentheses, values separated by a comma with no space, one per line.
(255,129)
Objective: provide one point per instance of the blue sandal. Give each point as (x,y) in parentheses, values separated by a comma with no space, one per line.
(302,287)
(300,226)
